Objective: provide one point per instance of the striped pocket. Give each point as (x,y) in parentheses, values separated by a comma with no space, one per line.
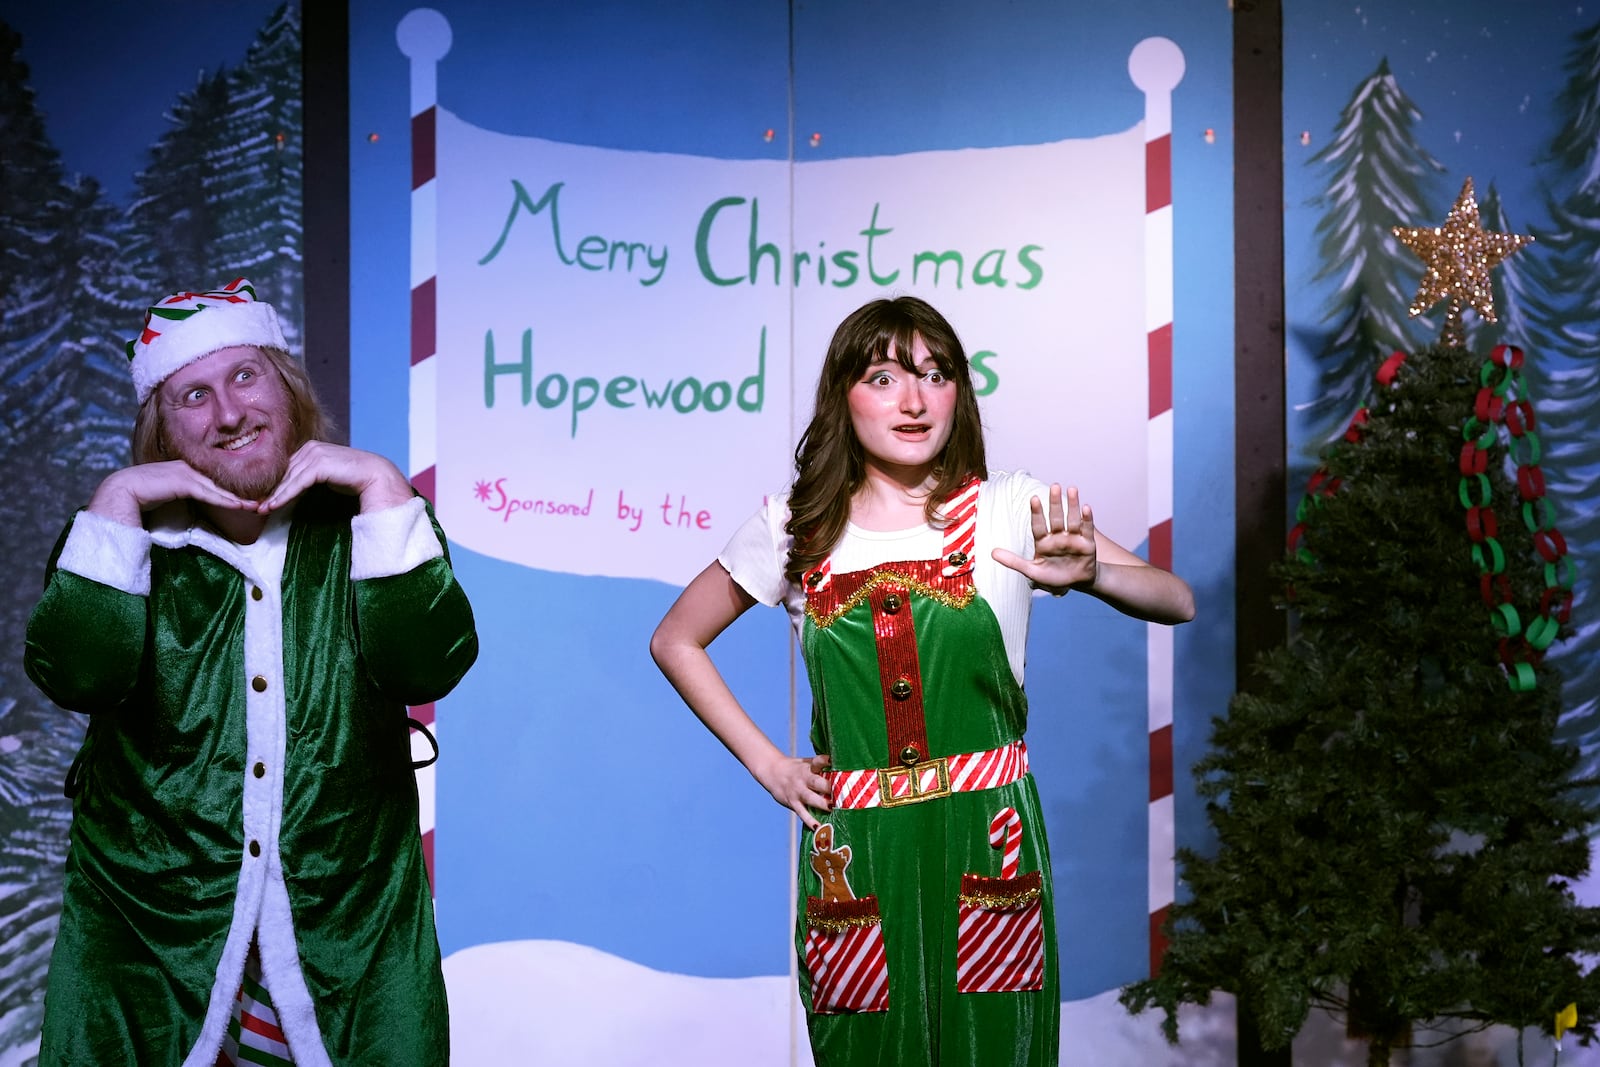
(844,956)
(1000,939)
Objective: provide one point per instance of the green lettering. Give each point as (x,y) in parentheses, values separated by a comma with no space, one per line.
(520,200)
(1035,272)
(756,381)
(615,389)
(546,400)
(593,245)
(800,260)
(938,260)
(702,241)
(491,369)
(994,275)
(683,406)
(870,233)
(655,400)
(978,364)
(759,249)
(723,393)
(659,264)
(584,393)
(846,261)
(630,247)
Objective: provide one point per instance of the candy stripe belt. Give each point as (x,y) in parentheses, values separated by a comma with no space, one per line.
(893,786)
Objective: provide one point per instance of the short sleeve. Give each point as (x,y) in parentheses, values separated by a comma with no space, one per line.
(756,553)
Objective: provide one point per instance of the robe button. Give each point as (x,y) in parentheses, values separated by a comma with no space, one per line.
(261,770)
(901,689)
(255,592)
(259,684)
(910,756)
(255,848)
(891,603)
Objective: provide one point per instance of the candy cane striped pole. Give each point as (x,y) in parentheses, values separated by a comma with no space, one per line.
(424,37)
(1006,829)
(1156,66)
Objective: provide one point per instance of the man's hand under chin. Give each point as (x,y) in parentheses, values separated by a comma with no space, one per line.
(367,475)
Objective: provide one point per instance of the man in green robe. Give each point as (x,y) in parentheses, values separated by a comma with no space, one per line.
(245,614)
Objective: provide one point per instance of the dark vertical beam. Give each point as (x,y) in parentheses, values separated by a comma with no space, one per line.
(325,51)
(1260,444)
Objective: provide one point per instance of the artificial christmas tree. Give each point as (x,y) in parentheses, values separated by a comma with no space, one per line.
(1397,824)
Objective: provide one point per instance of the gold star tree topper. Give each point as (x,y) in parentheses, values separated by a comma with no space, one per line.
(1459,256)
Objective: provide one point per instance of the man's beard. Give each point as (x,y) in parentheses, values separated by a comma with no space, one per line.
(253,479)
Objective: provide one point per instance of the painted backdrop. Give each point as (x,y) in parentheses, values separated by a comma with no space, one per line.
(596,258)
(1388,108)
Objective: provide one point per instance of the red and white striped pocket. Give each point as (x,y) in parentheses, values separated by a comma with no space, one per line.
(1000,932)
(845,957)
(1000,940)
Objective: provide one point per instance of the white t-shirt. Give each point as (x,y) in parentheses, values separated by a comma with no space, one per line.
(757,552)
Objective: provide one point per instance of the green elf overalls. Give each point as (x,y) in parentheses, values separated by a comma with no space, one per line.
(926,927)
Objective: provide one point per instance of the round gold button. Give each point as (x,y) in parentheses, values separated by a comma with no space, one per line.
(909,755)
(900,689)
(957,558)
(259,684)
(255,848)
(261,770)
(814,579)
(891,603)
(255,592)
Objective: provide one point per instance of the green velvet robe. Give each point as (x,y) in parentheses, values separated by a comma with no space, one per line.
(247,772)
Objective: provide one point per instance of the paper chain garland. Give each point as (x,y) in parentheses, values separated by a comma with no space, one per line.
(1502,400)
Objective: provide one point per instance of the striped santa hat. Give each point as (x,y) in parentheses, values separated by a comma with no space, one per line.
(186,326)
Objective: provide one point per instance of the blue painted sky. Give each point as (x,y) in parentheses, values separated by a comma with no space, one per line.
(102,94)
(1484,74)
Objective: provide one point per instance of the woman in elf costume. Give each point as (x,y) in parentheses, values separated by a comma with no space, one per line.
(926,925)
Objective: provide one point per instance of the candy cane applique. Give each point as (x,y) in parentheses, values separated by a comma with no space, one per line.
(1006,829)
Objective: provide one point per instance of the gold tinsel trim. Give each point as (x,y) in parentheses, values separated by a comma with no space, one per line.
(834,926)
(833,916)
(1001,901)
(888,577)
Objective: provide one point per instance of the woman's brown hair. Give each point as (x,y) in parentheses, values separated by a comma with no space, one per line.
(829,463)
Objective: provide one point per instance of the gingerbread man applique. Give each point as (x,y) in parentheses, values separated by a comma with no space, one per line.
(830,864)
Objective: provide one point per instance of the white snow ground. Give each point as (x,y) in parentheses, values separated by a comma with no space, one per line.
(555,1003)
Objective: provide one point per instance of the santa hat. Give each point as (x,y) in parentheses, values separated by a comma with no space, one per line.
(186,326)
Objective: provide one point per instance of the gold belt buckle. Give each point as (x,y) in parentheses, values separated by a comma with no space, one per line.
(939,788)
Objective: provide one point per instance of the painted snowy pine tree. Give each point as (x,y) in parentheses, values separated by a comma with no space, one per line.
(1379,177)
(174,214)
(101,298)
(75,273)
(1397,823)
(1556,313)
(60,393)
(258,167)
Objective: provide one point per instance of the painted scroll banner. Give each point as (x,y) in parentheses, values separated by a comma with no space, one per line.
(614,356)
